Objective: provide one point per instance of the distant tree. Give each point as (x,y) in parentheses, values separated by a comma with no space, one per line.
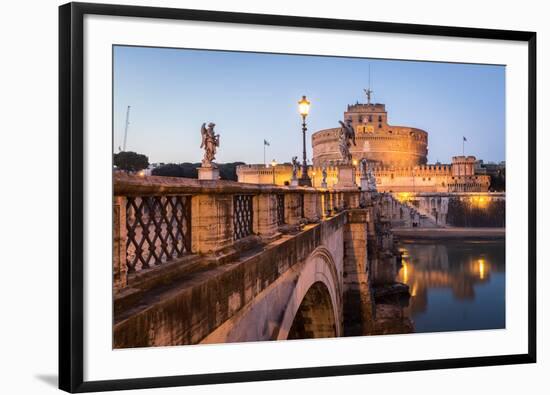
(228,171)
(131,161)
(498,181)
(186,170)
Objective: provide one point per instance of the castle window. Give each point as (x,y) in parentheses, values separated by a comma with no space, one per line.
(370,118)
(379,125)
(380,118)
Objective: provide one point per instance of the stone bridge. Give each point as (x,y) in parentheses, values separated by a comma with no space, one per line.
(219,261)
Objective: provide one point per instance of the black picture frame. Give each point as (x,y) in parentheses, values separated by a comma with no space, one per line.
(71,172)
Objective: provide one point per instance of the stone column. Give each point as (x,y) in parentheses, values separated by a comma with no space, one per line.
(293,209)
(120,269)
(211,222)
(265,216)
(351,199)
(332,202)
(358,300)
(311,206)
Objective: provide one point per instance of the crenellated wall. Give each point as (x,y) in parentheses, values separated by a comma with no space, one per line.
(423,178)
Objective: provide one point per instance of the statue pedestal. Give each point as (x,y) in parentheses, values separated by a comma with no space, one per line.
(324,185)
(209,173)
(346,177)
(294,182)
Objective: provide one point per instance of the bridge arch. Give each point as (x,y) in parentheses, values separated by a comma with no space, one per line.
(315,306)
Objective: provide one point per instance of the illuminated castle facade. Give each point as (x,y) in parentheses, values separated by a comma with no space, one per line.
(376,140)
(397,156)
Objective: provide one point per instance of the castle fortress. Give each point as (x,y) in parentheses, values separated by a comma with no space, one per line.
(376,140)
(397,156)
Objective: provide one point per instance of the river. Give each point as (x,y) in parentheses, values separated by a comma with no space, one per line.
(454,285)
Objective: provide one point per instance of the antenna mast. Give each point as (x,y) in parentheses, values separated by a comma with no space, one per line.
(126,128)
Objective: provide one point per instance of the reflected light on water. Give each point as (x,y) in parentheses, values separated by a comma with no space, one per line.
(405,272)
(480,201)
(481,263)
(454,284)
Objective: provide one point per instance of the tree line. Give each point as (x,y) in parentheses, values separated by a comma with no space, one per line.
(134,162)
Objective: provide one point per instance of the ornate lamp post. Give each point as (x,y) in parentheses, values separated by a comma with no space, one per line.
(303,107)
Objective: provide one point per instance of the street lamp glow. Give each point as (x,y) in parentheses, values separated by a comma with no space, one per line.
(303,106)
(273,163)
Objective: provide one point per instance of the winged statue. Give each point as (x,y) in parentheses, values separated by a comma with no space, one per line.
(210,141)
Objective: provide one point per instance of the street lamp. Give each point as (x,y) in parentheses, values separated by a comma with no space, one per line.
(273,164)
(303,108)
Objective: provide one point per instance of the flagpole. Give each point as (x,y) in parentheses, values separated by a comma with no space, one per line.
(264,153)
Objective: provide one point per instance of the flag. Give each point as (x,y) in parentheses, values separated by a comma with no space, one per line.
(464,138)
(266,142)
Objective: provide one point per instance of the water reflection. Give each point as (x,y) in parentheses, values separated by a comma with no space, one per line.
(454,285)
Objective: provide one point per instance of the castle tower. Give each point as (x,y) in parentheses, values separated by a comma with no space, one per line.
(376,140)
(463,166)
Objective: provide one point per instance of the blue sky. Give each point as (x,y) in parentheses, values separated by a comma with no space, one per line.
(253,96)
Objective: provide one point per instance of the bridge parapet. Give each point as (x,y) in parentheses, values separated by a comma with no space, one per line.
(165,224)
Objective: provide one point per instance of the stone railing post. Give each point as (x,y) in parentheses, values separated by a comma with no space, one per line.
(352,199)
(211,222)
(120,269)
(312,206)
(265,216)
(325,209)
(293,209)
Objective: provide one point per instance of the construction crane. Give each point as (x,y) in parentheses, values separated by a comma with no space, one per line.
(126,129)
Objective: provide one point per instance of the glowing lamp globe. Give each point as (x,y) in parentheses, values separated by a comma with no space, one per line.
(303,106)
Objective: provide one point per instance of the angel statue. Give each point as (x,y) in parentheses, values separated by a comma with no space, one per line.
(348,130)
(344,145)
(295,166)
(347,137)
(210,141)
(364,167)
(324,172)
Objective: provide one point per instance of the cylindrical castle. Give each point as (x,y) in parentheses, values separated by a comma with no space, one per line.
(376,140)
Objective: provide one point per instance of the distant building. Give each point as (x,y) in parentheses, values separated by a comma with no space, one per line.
(376,140)
(397,156)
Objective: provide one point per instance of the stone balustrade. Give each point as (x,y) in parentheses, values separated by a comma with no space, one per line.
(163,223)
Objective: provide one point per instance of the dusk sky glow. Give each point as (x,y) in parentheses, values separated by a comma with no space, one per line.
(253,96)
